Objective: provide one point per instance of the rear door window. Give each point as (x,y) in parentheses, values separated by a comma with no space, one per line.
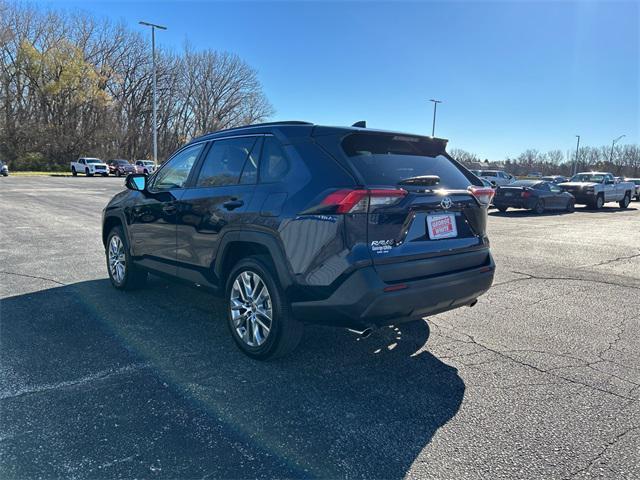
(224,162)
(273,162)
(388,159)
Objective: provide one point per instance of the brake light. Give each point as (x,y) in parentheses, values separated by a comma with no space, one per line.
(526,194)
(482,194)
(352,201)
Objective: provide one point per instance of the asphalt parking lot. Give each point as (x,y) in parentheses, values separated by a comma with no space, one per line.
(541,379)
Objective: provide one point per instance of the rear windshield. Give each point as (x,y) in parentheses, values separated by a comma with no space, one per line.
(525,183)
(588,177)
(389,159)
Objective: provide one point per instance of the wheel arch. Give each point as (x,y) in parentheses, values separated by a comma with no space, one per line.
(110,221)
(237,245)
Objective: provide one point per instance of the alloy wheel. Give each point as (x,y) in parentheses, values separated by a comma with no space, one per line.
(117,259)
(251,308)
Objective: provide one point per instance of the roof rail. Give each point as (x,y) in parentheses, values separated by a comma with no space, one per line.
(282,122)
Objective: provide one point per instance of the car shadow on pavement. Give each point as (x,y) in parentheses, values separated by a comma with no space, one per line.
(101,383)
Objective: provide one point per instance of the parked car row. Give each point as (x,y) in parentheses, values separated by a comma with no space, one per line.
(593,189)
(91,166)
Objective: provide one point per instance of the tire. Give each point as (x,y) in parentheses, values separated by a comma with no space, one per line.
(86,172)
(502,209)
(624,203)
(571,206)
(539,207)
(284,331)
(146,172)
(73,172)
(133,277)
(105,174)
(599,203)
(118,174)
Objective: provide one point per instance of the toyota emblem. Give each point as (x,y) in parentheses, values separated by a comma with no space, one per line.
(446,203)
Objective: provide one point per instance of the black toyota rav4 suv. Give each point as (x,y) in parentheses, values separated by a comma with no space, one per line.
(293,222)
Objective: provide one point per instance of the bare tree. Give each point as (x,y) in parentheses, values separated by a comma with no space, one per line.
(71,85)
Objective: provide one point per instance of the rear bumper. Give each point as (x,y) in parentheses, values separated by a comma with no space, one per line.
(514,202)
(361,301)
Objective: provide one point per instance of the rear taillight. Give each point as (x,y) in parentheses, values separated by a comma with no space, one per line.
(525,194)
(482,194)
(353,201)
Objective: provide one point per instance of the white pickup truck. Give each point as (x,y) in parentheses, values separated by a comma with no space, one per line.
(594,189)
(89,166)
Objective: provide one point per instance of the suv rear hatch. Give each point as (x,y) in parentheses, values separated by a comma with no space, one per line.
(426,214)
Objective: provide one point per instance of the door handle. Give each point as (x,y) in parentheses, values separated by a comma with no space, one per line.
(170,209)
(233,204)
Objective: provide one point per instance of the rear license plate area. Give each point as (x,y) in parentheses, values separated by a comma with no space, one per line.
(441,226)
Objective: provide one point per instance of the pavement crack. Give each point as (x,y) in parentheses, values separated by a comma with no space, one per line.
(551,372)
(607,262)
(574,279)
(603,450)
(93,377)
(34,276)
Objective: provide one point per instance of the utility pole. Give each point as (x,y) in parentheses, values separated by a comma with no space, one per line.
(155,94)
(435,107)
(613,144)
(575,163)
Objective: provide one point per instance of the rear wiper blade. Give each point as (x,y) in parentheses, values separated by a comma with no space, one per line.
(422,180)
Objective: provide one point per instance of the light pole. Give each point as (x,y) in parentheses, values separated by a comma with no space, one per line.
(613,144)
(575,164)
(435,107)
(155,95)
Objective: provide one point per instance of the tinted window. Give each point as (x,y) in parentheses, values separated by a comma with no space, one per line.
(486,173)
(542,186)
(524,183)
(588,177)
(175,172)
(224,162)
(389,159)
(273,163)
(250,170)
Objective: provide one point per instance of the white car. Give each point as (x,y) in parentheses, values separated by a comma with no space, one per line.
(497,177)
(90,166)
(145,166)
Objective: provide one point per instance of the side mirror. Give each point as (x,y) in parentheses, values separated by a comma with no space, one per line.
(136,181)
